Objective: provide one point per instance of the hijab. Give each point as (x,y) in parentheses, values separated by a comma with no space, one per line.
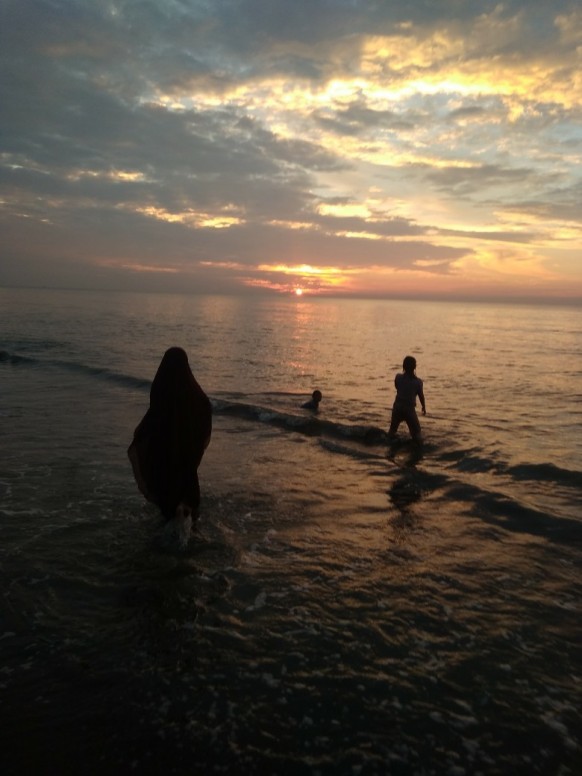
(171,439)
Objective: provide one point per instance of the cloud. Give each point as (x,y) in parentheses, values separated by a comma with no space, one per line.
(462,181)
(562,205)
(205,140)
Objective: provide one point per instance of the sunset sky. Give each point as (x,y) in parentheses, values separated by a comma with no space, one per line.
(335,146)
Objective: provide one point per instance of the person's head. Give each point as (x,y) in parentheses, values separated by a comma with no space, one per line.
(409,365)
(175,360)
(317,396)
(174,376)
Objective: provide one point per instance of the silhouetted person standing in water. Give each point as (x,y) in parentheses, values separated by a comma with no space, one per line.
(170,441)
(408,387)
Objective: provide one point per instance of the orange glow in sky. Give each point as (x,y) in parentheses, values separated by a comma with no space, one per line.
(387,149)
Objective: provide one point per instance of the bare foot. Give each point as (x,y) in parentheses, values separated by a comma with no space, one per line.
(183,511)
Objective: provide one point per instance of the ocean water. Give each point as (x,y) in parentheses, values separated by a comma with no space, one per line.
(343,606)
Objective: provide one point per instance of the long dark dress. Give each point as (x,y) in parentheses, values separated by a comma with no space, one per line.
(169,442)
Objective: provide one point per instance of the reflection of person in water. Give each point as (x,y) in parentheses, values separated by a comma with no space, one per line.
(408,387)
(169,443)
(313,403)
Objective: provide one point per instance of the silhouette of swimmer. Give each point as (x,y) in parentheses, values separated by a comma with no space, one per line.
(408,387)
(313,403)
(169,442)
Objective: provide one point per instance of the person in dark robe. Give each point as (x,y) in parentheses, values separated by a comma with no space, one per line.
(169,442)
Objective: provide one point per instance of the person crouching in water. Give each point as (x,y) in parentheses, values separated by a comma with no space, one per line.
(408,387)
(168,444)
(313,403)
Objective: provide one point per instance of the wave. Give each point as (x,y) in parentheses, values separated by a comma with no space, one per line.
(72,366)
(513,514)
(309,425)
(476,461)
(14,358)
(305,424)
(105,374)
(466,461)
(545,472)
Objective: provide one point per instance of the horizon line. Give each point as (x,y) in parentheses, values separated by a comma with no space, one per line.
(307,296)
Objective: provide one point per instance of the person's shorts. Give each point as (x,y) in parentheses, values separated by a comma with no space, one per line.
(409,416)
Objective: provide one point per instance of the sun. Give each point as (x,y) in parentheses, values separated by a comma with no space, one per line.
(298,292)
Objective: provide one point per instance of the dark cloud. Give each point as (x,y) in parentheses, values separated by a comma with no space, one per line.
(460,181)
(358,118)
(562,204)
(382,227)
(97,157)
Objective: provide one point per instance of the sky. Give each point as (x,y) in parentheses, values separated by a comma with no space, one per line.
(429,148)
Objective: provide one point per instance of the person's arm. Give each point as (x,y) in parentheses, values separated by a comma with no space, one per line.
(422,402)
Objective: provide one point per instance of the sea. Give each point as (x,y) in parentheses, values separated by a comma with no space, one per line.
(345,605)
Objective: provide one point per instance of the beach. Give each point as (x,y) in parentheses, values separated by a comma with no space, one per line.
(343,606)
